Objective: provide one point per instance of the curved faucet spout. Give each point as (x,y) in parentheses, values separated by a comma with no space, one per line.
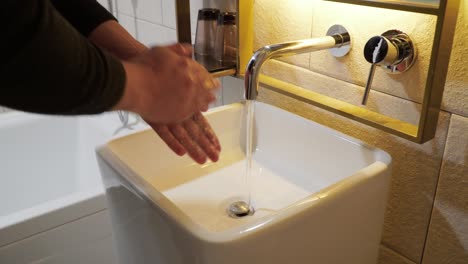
(283,50)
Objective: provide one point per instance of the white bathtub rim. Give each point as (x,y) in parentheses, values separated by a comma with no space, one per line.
(87,199)
(53,213)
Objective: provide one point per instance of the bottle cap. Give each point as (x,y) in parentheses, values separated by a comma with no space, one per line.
(208,14)
(227,18)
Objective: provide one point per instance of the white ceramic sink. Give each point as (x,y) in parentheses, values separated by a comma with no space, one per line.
(319,196)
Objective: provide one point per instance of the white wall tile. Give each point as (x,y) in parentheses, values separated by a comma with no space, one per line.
(195,5)
(148,33)
(152,34)
(104,3)
(447,240)
(168,13)
(149,10)
(129,23)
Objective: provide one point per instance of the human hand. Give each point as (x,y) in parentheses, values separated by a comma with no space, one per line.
(165,87)
(180,136)
(193,136)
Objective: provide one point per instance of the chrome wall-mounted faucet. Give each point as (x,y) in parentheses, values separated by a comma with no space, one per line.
(393,51)
(337,40)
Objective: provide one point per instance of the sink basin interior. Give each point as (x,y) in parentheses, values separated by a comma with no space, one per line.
(294,160)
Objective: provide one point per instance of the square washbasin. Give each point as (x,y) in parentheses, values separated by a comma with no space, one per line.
(318,196)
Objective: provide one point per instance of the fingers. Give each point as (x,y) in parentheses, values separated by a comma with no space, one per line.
(207,86)
(194,136)
(166,135)
(175,86)
(198,136)
(182,49)
(186,50)
(201,121)
(193,149)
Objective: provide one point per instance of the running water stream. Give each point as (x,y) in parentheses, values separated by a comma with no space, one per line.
(250,106)
(244,207)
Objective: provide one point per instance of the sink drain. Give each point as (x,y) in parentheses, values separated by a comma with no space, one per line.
(239,209)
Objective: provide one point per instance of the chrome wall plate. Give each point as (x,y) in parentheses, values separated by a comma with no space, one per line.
(343,32)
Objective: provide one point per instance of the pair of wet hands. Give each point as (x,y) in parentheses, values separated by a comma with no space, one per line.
(193,136)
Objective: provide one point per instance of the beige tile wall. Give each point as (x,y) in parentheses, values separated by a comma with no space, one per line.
(418,170)
(447,240)
(448,234)
(456,90)
(388,256)
(363,23)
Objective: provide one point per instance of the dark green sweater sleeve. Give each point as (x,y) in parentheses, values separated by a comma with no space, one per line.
(49,67)
(84,15)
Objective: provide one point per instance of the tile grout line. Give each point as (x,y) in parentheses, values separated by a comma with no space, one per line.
(436,189)
(348,82)
(162,12)
(397,252)
(312,31)
(136,18)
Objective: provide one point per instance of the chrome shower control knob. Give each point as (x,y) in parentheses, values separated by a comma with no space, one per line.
(380,50)
(393,51)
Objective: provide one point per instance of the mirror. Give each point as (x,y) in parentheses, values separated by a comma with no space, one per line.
(415,3)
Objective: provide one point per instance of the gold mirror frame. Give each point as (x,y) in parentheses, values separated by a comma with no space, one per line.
(446,13)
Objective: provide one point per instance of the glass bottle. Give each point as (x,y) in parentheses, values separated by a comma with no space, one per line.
(206,31)
(226,38)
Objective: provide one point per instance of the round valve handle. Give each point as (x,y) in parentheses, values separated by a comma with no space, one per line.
(393,51)
(380,50)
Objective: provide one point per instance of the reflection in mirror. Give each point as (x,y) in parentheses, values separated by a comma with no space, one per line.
(411,2)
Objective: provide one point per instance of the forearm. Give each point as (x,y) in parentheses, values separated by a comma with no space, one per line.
(51,68)
(104,31)
(112,37)
(83,15)
(101,27)
(137,80)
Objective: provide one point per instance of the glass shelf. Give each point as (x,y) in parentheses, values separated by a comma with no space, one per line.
(418,6)
(216,68)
